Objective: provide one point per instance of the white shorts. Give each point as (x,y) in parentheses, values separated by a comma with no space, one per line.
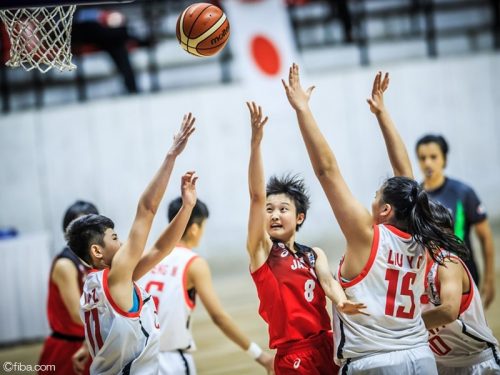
(176,362)
(413,361)
(489,367)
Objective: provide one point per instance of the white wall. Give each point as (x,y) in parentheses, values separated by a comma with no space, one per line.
(106,151)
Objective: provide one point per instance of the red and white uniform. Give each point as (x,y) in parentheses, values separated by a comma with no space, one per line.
(293,304)
(67,336)
(468,341)
(390,284)
(119,341)
(166,282)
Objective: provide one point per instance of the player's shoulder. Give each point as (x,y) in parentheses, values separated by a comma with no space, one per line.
(94,279)
(63,267)
(458,186)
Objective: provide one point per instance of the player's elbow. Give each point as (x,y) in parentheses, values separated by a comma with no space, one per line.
(449,313)
(324,170)
(257,197)
(147,206)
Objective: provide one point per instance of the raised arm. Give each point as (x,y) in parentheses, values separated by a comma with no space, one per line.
(354,220)
(172,235)
(398,155)
(129,254)
(258,241)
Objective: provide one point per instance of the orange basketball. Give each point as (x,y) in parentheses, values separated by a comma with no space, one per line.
(202,29)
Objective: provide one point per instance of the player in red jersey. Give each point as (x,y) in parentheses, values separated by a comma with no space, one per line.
(292,280)
(67,275)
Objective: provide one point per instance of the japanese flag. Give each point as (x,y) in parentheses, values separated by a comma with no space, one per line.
(262,43)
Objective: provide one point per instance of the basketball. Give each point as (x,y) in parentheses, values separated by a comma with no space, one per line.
(202,29)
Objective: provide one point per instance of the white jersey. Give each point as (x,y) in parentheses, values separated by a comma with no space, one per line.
(166,282)
(390,284)
(468,340)
(120,342)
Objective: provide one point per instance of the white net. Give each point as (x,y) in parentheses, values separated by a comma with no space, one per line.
(40,37)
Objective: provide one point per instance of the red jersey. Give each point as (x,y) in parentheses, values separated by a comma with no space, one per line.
(59,318)
(292,301)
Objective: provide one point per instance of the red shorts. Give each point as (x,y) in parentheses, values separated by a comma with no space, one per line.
(312,356)
(58,352)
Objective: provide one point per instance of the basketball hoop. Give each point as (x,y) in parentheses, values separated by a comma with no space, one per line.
(40,31)
(40,37)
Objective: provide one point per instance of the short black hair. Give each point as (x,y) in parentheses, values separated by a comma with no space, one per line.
(294,187)
(77,209)
(198,215)
(434,138)
(86,231)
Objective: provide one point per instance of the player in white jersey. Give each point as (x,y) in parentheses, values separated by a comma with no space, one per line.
(383,264)
(174,284)
(121,330)
(459,336)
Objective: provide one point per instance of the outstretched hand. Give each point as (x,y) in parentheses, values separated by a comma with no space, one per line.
(188,188)
(298,98)
(182,136)
(376,101)
(256,121)
(351,308)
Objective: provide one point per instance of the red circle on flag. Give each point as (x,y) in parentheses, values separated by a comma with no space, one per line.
(265,55)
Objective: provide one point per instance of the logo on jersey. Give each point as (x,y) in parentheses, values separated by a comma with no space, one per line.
(296,364)
(481,210)
(298,264)
(284,253)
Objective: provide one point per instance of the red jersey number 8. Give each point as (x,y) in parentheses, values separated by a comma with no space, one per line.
(309,289)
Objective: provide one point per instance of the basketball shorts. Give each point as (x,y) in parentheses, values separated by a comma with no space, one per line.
(415,361)
(488,364)
(313,356)
(176,362)
(58,352)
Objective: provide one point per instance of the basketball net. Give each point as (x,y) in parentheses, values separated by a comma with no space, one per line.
(40,37)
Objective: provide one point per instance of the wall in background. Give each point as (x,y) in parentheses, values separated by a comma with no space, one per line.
(107,151)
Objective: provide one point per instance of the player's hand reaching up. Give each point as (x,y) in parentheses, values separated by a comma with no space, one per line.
(257,122)
(376,101)
(351,308)
(267,361)
(182,136)
(188,188)
(298,98)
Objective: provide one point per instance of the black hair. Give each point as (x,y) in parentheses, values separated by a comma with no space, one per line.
(294,187)
(413,214)
(198,215)
(442,215)
(86,231)
(79,208)
(437,139)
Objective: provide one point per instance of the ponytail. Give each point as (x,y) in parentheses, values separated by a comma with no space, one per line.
(413,213)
